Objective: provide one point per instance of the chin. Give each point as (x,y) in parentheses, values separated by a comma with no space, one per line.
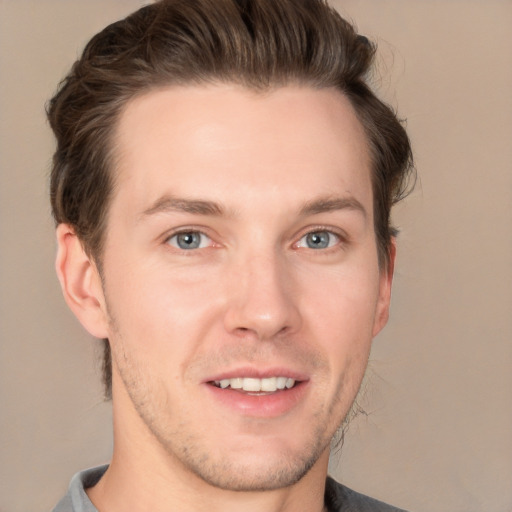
(251,476)
(252,466)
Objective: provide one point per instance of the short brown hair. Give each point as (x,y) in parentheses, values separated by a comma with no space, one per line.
(258,44)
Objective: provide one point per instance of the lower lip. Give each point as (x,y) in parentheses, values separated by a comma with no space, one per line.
(260,405)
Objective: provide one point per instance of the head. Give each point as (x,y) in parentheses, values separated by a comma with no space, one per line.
(258,46)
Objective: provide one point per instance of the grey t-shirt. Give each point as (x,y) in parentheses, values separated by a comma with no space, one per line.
(338,498)
(76,500)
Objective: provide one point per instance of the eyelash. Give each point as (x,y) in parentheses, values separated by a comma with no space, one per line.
(187,231)
(340,239)
(320,238)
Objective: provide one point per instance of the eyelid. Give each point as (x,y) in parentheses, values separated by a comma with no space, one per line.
(187,229)
(340,234)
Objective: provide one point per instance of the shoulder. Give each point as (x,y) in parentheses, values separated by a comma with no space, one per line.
(76,499)
(64,505)
(339,498)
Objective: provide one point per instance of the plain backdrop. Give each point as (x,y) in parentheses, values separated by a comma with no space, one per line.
(437,435)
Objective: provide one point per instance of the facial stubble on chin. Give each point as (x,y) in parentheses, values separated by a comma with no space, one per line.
(186,450)
(184,447)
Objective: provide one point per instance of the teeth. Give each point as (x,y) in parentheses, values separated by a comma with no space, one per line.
(236,383)
(251,384)
(268,385)
(281,382)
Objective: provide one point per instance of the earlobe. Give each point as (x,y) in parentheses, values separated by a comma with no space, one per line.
(80,282)
(386,280)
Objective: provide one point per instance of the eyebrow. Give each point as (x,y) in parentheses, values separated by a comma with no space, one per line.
(167,204)
(331,204)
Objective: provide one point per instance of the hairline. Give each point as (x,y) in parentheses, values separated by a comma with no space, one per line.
(113,156)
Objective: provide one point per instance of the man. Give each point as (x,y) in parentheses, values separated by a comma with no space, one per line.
(222,189)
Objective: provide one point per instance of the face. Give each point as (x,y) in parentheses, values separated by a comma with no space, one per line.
(241,280)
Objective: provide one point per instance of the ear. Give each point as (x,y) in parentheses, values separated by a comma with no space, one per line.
(80,282)
(385,282)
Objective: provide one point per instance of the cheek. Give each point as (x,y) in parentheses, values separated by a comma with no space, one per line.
(342,301)
(160,311)
(340,316)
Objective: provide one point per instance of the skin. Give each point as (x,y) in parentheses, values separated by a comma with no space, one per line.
(263,170)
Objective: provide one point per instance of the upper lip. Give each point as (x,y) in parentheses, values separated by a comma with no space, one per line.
(258,373)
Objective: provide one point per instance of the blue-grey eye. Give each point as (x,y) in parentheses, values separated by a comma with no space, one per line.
(318,240)
(188,240)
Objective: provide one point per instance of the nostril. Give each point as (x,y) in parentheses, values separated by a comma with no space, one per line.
(262,316)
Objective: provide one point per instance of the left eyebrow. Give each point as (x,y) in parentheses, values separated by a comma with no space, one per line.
(331,204)
(168,204)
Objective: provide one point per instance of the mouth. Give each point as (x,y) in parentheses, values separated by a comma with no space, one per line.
(259,393)
(251,385)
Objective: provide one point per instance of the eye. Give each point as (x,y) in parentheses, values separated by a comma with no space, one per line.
(322,239)
(188,240)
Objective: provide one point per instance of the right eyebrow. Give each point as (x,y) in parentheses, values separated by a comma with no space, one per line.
(167,204)
(331,204)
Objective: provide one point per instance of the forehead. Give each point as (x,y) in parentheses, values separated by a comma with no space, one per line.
(233,142)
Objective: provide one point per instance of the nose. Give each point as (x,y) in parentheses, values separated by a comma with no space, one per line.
(263,301)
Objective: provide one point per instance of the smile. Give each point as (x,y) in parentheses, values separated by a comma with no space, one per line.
(269,384)
(271,394)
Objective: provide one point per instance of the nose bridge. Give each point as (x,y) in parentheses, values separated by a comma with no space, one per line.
(262,299)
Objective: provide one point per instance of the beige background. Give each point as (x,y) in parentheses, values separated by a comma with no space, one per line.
(439,433)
